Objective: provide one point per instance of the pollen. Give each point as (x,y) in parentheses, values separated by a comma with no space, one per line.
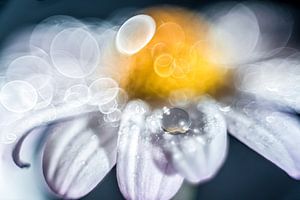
(177,62)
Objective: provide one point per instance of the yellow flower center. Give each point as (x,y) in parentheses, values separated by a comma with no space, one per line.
(178,61)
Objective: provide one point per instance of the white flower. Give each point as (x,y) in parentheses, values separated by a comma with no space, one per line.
(66,88)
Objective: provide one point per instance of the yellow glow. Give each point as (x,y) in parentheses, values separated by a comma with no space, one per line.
(176,60)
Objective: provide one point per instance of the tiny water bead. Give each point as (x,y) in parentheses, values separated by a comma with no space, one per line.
(175,121)
(8,138)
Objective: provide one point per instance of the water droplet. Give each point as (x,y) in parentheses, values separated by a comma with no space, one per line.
(270,119)
(83,162)
(9,138)
(225,108)
(175,121)
(195,130)
(114,116)
(94,137)
(272,88)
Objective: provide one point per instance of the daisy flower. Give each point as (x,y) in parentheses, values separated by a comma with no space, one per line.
(153,93)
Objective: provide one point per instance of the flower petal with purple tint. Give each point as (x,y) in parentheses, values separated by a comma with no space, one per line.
(273,134)
(199,153)
(276,80)
(78,154)
(142,169)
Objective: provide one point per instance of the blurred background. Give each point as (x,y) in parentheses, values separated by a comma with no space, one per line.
(244,176)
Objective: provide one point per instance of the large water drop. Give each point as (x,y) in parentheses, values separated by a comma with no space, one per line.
(175,121)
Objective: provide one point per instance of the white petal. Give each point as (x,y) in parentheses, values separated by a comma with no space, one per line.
(16,130)
(15,182)
(273,134)
(8,117)
(23,124)
(276,80)
(199,153)
(135,33)
(78,155)
(142,168)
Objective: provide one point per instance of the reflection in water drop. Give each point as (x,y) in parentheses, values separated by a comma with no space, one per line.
(175,121)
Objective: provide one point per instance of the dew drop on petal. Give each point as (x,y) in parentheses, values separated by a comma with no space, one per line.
(135,33)
(225,108)
(18,96)
(114,116)
(136,108)
(83,162)
(94,137)
(8,138)
(175,120)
